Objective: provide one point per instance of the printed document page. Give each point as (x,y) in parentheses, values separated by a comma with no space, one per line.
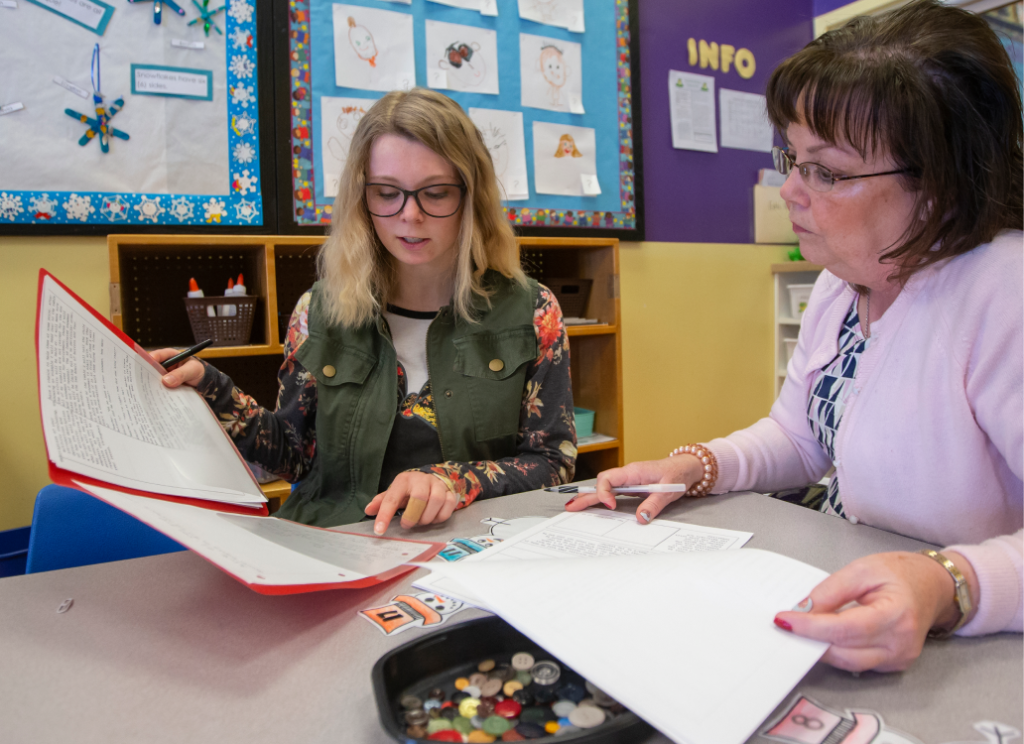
(107,415)
(684,640)
(591,534)
(267,551)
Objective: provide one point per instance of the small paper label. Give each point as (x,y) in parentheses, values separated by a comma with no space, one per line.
(8,4)
(489,7)
(182,44)
(576,23)
(590,185)
(576,104)
(93,14)
(10,108)
(438,79)
(179,82)
(70,86)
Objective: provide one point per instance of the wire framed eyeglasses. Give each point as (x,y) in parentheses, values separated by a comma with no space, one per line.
(436,200)
(817,177)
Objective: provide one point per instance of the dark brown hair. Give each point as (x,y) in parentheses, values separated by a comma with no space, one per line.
(932,87)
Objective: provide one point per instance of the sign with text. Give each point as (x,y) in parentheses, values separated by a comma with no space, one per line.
(92,14)
(177,82)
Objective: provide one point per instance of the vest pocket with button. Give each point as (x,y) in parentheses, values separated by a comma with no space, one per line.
(494,366)
(333,364)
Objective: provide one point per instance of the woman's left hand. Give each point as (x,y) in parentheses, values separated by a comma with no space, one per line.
(899,597)
(425,498)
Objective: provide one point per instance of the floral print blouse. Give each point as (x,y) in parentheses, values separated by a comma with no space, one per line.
(283,441)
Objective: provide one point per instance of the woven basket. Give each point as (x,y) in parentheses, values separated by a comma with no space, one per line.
(225,330)
(572,294)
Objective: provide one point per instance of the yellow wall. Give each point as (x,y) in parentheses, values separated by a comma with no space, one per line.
(697,345)
(81,263)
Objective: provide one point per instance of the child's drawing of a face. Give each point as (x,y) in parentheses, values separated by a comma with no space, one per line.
(362,41)
(497,145)
(567,147)
(348,120)
(553,67)
(464,65)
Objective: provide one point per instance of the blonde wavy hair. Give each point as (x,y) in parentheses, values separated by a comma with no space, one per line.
(356,271)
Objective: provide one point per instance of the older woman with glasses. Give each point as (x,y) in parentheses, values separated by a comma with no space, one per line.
(903,155)
(424,370)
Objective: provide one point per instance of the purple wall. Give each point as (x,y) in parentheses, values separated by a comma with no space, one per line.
(821,7)
(699,197)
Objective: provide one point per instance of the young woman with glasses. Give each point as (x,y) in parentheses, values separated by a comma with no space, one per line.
(424,370)
(903,156)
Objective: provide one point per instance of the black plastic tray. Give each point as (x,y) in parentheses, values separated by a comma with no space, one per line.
(434,659)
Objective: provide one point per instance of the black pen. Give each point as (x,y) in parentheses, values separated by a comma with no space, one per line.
(168,363)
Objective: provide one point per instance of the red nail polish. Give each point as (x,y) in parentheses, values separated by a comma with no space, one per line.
(570,501)
(783,624)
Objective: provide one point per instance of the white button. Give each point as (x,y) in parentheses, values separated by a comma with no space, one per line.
(852,519)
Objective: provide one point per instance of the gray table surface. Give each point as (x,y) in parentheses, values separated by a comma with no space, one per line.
(170,649)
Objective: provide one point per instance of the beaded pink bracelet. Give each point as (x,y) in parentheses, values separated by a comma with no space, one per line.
(708,460)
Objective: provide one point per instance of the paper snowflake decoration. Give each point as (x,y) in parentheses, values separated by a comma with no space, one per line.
(243,125)
(244,152)
(243,95)
(241,66)
(150,209)
(100,126)
(206,17)
(42,207)
(214,210)
(114,208)
(241,39)
(241,11)
(10,206)
(182,209)
(246,210)
(79,207)
(243,183)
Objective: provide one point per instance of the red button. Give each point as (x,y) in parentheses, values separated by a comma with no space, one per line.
(446,735)
(508,708)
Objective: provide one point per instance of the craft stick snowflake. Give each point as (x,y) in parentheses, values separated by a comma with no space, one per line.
(100,126)
(206,15)
(158,8)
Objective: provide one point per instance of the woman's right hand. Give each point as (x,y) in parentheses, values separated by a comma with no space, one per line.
(190,372)
(679,469)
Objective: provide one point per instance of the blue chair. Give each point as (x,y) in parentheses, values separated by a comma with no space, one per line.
(71,528)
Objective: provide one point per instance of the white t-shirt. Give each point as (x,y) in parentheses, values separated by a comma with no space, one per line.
(409,334)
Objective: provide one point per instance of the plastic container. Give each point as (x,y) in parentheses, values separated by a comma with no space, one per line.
(584,422)
(435,659)
(799,295)
(225,330)
(790,348)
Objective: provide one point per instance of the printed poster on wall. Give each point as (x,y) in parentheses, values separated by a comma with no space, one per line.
(692,111)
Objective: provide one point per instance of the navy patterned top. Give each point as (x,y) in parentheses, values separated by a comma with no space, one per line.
(830,389)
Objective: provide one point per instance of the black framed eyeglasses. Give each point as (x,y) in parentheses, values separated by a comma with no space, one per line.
(436,200)
(817,177)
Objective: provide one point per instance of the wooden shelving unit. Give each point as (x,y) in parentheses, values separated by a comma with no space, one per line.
(149,276)
(787,326)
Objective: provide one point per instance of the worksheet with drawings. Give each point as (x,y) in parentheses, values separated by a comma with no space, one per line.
(591,534)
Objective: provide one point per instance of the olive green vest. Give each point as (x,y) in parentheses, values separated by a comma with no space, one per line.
(477,374)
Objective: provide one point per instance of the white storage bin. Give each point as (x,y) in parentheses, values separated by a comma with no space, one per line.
(799,294)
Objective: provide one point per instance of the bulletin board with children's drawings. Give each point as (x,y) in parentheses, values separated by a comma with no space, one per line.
(550,83)
(140,113)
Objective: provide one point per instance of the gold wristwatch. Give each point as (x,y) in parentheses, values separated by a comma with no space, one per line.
(961,596)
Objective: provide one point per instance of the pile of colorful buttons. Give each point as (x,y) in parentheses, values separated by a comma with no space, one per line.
(512,701)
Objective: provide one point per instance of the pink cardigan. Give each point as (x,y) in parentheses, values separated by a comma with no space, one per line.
(932,441)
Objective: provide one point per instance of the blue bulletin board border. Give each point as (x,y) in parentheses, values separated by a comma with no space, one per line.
(243,206)
(618,165)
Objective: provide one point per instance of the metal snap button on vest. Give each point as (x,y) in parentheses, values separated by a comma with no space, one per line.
(496,365)
(447,393)
(330,371)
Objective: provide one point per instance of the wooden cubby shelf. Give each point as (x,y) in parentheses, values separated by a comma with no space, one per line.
(149,277)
